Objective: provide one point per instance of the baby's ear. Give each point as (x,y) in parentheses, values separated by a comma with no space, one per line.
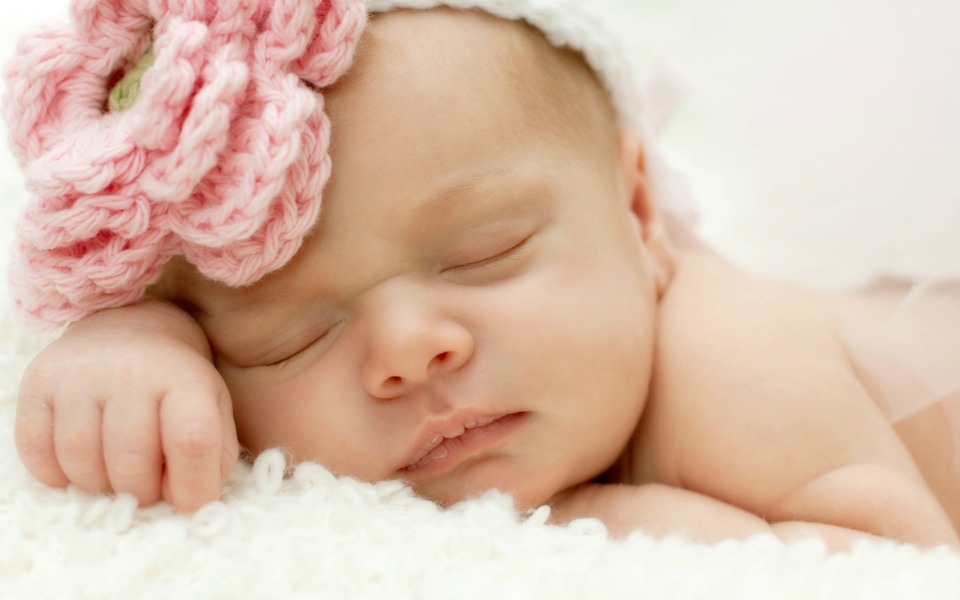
(649,217)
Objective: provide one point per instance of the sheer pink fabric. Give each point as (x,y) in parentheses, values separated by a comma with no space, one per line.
(911,359)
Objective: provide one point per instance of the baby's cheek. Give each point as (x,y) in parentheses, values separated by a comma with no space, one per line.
(269,411)
(310,416)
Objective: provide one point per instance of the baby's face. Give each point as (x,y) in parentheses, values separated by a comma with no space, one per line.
(476,307)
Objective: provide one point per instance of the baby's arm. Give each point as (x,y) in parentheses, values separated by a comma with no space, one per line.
(661,511)
(127,400)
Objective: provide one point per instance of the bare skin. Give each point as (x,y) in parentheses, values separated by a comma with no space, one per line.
(800,397)
(495,305)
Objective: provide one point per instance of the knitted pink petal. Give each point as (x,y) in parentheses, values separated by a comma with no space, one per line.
(114,273)
(85,159)
(287,31)
(331,49)
(85,219)
(201,130)
(265,147)
(167,88)
(290,218)
(264,144)
(33,98)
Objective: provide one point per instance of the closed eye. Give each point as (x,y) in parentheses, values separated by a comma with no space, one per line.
(300,352)
(496,258)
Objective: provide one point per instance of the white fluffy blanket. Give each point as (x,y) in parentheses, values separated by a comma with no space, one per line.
(823,147)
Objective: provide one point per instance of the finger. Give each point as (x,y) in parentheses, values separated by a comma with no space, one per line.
(131,448)
(230,451)
(190,432)
(77,441)
(33,432)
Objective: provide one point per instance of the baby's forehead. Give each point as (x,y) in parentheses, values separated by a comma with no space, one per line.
(450,36)
(513,60)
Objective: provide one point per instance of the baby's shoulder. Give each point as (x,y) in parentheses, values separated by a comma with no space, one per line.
(747,367)
(714,310)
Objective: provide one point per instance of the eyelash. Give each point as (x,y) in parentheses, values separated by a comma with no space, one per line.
(480,264)
(287,359)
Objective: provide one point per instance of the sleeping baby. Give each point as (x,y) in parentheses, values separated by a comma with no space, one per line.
(495,294)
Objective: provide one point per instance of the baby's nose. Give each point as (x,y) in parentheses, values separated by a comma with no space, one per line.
(413,347)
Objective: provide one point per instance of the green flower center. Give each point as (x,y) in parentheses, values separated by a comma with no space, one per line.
(125,92)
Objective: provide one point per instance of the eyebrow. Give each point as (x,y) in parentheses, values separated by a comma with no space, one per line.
(453,198)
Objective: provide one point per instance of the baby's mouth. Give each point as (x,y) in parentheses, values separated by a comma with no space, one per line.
(453,441)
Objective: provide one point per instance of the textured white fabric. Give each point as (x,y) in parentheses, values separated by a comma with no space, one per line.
(313,536)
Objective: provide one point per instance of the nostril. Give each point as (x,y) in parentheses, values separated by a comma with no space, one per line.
(439,360)
(396,385)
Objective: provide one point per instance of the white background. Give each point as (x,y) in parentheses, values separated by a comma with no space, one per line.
(823,143)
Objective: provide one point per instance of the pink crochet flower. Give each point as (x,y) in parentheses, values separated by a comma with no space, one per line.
(221,158)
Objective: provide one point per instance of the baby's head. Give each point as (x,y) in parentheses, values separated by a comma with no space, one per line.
(476,306)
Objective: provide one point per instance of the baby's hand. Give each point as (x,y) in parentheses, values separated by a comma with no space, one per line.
(127,400)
